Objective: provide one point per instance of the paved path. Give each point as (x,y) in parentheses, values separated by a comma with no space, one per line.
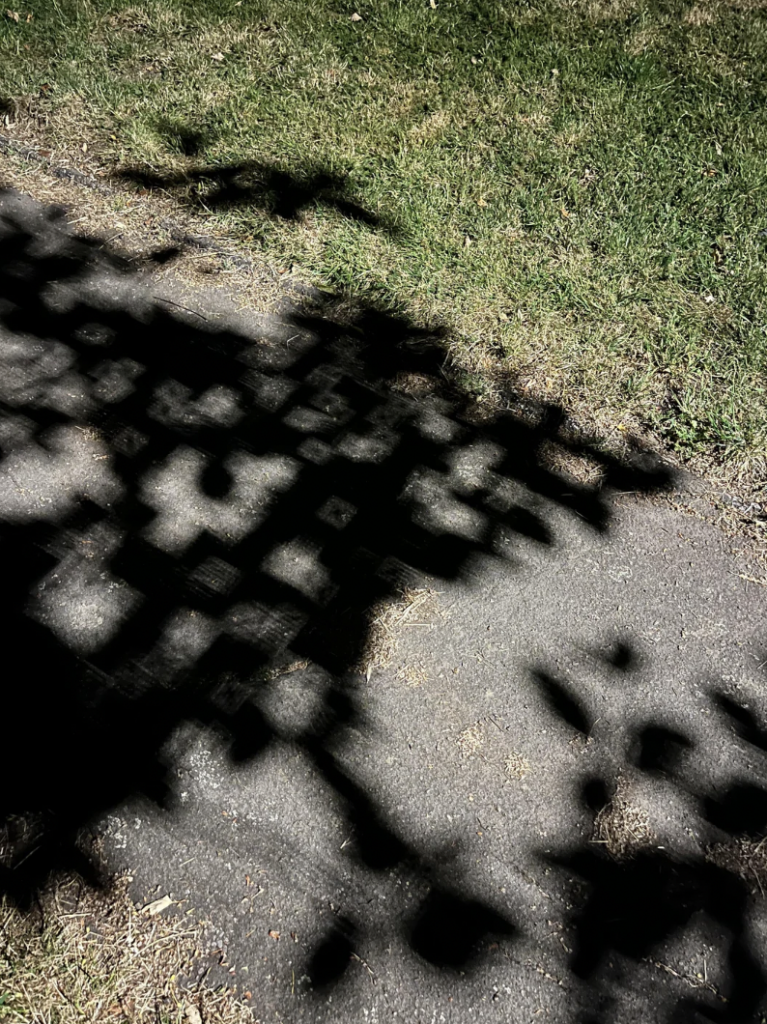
(428,729)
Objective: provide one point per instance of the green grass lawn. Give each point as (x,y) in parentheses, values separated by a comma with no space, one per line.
(577,190)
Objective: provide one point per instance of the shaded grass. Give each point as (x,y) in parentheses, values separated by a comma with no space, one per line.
(577,190)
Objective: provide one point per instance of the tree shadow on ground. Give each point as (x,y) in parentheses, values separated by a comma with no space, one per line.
(189,510)
(249,183)
(639,896)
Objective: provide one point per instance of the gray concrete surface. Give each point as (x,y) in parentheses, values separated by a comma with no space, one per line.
(204,519)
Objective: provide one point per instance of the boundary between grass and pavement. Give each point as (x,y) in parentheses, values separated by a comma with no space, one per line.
(741,514)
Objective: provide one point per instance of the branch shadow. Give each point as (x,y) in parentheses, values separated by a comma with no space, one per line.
(639,895)
(249,183)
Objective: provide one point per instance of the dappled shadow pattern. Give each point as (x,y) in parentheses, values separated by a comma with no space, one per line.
(636,893)
(635,905)
(187,511)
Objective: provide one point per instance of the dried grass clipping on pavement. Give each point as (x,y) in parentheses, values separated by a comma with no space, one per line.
(412,607)
(472,739)
(622,827)
(516,766)
(87,955)
(746,858)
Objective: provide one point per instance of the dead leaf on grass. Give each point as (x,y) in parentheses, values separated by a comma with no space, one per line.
(356,17)
(13,15)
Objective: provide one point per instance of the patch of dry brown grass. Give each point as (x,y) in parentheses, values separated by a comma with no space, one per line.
(699,15)
(89,955)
